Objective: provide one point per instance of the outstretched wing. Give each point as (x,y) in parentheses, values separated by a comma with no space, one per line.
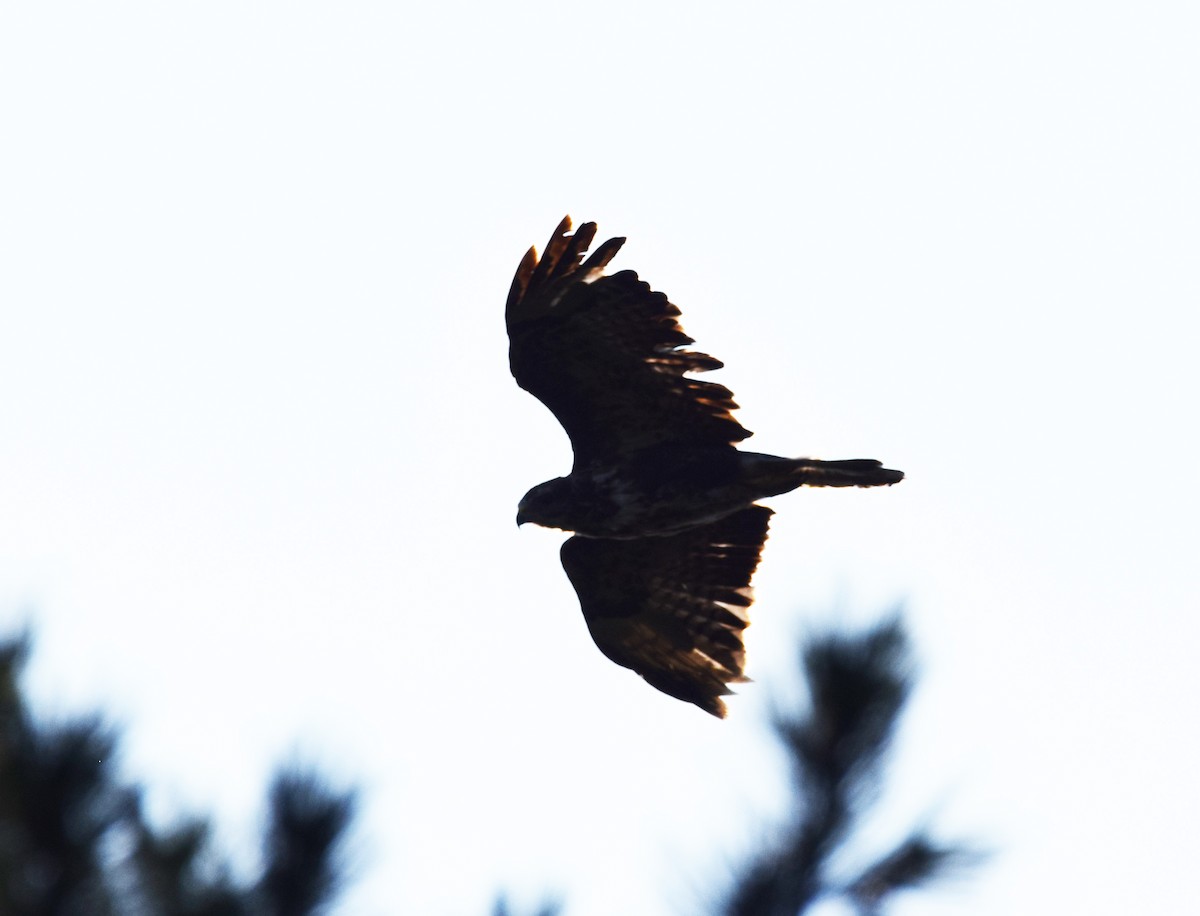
(604,354)
(673,608)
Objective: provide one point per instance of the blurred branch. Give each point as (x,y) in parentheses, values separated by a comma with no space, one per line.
(548,908)
(858,686)
(74,842)
(917,861)
(306,823)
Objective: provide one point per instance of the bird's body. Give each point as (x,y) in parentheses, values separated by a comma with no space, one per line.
(662,503)
(667,489)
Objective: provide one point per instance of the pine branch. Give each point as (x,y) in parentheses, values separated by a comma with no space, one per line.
(858,686)
(307,823)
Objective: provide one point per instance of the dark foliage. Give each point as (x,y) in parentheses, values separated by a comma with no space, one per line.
(306,824)
(858,686)
(916,861)
(73,841)
(549,908)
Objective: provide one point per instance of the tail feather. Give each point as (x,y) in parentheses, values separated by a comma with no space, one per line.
(853,472)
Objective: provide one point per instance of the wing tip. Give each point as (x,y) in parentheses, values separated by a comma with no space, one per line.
(561,262)
(520,282)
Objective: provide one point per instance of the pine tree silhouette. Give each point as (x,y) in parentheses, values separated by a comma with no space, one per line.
(73,841)
(858,686)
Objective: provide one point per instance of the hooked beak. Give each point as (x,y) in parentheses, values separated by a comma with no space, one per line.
(521,518)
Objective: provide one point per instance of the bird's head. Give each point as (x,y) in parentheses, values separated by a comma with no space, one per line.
(549,504)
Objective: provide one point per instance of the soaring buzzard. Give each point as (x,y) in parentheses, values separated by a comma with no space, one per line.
(659,498)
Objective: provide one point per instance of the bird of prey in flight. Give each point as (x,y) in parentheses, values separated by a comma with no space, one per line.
(661,502)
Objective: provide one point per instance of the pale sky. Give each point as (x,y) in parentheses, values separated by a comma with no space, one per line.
(260,451)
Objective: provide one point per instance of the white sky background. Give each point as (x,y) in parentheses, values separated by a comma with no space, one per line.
(260,452)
